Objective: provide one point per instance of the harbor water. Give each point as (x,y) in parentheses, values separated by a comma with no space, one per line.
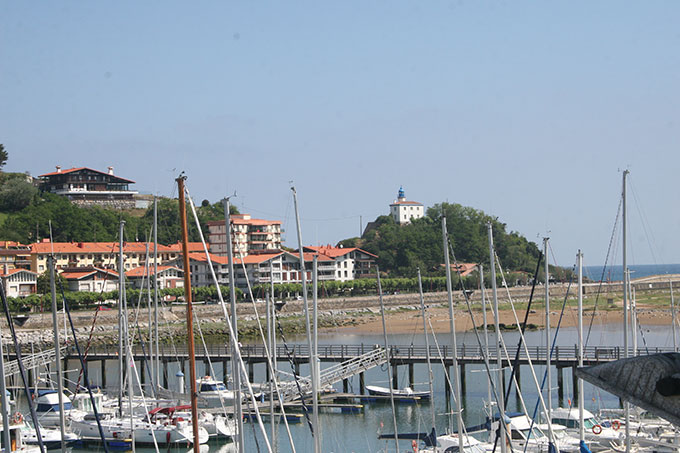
(358,431)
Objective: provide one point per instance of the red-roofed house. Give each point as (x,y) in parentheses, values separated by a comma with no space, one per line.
(90,279)
(283,266)
(97,254)
(348,263)
(403,211)
(168,276)
(249,235)
(85,186)
(19,282)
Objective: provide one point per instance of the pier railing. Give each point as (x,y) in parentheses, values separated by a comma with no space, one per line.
(564,355)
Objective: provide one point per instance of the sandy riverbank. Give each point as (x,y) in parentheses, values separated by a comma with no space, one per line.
(408,322)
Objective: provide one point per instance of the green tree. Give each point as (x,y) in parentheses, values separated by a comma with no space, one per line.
(3,156)
(16,194)
(43,283)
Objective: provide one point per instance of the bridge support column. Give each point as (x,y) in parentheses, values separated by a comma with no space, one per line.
(297,368)
(65,368)
(560,386)
(518,377)
(141,371)
(362,383)
(30,377)
(207,369)
(251,371)
(462,380)
(411,378)
(447,387)
(574,384)
(102,380)
(345,386)
(395,376)
(165,373)
(224,371)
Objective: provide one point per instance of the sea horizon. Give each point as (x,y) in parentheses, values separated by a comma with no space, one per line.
(615,272)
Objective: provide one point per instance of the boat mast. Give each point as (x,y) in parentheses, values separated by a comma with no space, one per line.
(7,445)
(315,319)
(633,316)
(581,431)
(235,375)
(57,354)
(548,362)
(149,301)
(499,372)
(675,342)
(427,351)
(189,310)
(121,290)
(387,354)
(486,331)
(625,306)
(273,354)
(312,364)
(155,290)
(454,347)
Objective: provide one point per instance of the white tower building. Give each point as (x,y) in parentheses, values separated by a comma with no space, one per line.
(402,210)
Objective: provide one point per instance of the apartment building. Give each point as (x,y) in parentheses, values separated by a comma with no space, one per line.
(14,255)
(249,235)
(104,255)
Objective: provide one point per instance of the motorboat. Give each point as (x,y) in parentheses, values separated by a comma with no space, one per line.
(213,393)
(600,436)
(47,408)
(406,392)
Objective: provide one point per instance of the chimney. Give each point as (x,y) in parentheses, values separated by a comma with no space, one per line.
(58,168)
(110,170)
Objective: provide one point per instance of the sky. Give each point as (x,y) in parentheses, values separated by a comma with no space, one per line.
(528,111)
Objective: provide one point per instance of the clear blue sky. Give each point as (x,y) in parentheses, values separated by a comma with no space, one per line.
(526,110)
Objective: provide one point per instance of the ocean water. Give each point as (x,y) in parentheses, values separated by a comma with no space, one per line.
(615,273)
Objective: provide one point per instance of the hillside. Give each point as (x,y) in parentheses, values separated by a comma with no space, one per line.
(30,221)
(402,249)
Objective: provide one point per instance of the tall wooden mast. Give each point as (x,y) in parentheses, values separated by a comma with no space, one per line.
(187,298)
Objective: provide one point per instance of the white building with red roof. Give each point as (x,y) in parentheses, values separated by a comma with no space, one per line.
(85,186)
(90,279)
(249,235)
(18,282)
(168,277)
(403,210)
(257,268)
(348,263)
(101,254)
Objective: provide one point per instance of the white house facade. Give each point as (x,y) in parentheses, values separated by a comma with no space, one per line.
(403,210)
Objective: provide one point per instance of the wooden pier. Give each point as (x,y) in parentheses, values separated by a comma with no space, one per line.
(399,355)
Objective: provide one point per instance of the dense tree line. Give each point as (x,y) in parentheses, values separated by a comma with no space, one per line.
(70,222)
(402,249)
